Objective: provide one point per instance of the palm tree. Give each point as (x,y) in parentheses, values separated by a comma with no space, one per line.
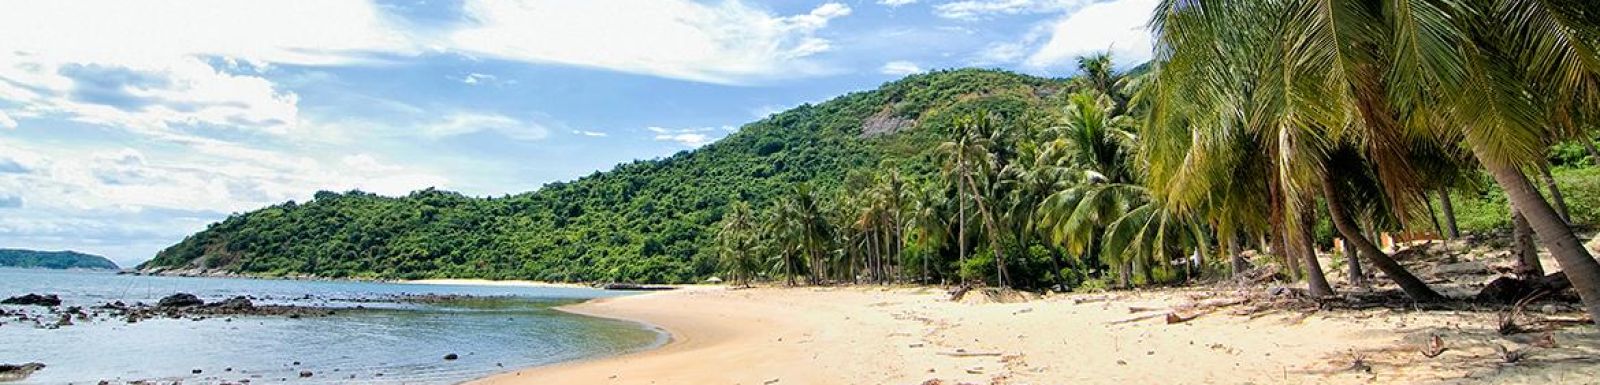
(967,154)
(736,241)
(1099,147)
(1462,72)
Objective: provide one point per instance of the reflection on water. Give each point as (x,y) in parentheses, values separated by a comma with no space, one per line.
(386,342)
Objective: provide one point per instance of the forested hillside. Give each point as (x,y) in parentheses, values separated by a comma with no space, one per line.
(32,259)
(646,221)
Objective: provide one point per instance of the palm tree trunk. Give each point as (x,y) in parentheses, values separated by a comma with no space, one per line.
(1352,257)
(1316,280)
(1414,287)
(1448,208)
(1056,262)
(1581,268)
(1523,248)
(1235,257)
(994,232)
(1594,155)
(1555,192)
(961,225)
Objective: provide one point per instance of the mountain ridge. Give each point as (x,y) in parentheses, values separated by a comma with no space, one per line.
(66,259)
(641,221)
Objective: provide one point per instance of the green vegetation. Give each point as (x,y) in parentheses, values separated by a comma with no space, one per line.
(646,221)
(1273,125)
(54,260)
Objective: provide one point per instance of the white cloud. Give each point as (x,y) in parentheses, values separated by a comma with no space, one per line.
(726,42)
(6,121)
(476,78)
(900,68)
(689,137)
(1118,26)
(148,65)
(979,9)
(595,134)
(462,123)
(896,3)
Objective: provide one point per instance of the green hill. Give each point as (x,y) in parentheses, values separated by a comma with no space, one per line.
(54,260)
(645,221)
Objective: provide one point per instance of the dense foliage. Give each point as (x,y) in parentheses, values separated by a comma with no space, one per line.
(645,221)
(32,259)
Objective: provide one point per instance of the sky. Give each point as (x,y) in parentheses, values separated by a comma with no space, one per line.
(126,125)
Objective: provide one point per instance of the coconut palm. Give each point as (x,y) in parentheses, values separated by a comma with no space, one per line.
(1382,71)
(736,241)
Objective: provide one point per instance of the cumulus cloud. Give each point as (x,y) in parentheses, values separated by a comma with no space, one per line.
(463,123)
(900,68)
(896,3)
(6,121)
(477,78)
(149,65)
(1118,26)
(726,42)
(593,134)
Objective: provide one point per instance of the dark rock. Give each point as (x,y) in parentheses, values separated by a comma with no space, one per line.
(1509,290)
(235,303)
(196,371)
(451,356)
(33,300)
(180,300)
(305,373)
(9,372)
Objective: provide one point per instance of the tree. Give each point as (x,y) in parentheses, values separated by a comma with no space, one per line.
(736,243)
(1463,72)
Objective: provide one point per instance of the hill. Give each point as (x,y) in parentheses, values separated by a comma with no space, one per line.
(54,260)
(644,221)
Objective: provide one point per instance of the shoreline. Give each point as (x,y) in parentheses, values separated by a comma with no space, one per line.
(910,335)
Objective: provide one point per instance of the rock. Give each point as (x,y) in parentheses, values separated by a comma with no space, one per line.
(33,300)
(180,300)
(10,372)
(305,374)
(196,371)
(1509,290)
(235,303)
(451,357)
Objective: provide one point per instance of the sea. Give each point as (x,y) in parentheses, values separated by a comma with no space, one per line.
(380,335)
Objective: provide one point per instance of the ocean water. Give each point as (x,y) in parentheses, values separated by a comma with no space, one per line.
(388,342)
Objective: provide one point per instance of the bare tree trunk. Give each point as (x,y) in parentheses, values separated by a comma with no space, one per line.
(1523,248)
(1056,262)
(1555,192)
(1358,278)
(1448,208)
(1316,280)
(1414,287)
(1554,233)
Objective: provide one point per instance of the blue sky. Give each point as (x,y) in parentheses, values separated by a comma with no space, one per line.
(127,125)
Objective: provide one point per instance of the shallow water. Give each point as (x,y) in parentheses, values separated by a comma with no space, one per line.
(388,342)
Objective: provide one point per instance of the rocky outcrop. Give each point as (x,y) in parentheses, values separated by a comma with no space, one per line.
(9,372)
(31,299)
(180,300)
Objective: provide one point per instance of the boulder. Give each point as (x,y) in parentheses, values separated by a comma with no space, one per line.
(34,300)
(180,300)
(9,372)
(235,303)
(1509,290)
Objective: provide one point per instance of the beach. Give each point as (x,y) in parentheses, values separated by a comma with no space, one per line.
(880,335)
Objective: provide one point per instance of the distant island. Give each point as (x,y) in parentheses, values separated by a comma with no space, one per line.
(34,259)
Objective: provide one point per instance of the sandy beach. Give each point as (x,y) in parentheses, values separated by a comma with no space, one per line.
(871,335)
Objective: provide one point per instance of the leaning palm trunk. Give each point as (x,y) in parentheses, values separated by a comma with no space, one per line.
(1581,268)
(1316,281)
(1413,286)
(1448,208)
(1556,198)
(1522,247)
